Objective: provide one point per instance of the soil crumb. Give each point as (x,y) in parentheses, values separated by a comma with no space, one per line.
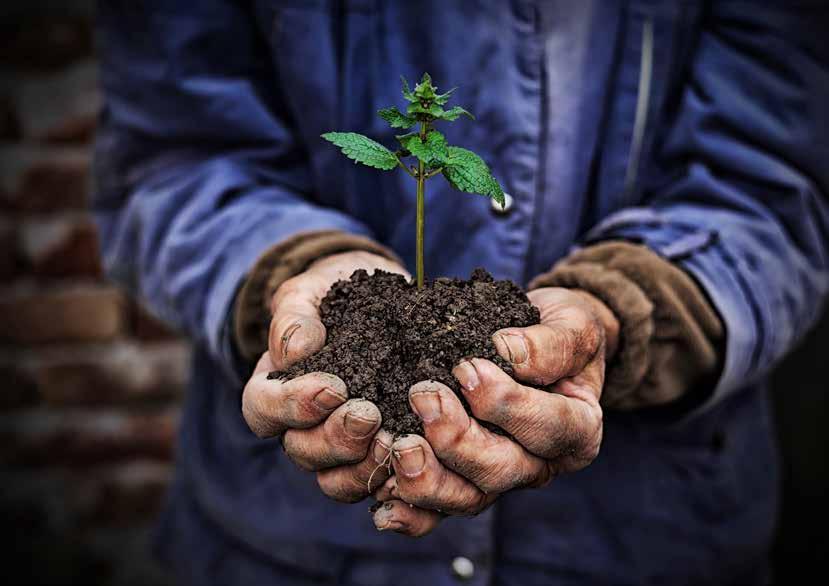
(384,335)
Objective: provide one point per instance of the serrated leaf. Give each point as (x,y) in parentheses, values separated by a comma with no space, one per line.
(396,118)
(466,171)
(407,93)
(433,110)
(452,114)
(363,150)
(441,99)
(425,90)
(402,138)
(433,151)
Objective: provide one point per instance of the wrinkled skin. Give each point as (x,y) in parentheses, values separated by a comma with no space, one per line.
(458,467)
(322,429)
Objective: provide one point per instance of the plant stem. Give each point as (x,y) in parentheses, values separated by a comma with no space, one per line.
(421,211)
(404,167)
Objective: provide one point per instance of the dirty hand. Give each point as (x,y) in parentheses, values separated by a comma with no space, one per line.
(322,430)
(460,467)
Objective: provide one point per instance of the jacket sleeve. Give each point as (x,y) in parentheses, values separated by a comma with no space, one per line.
(738,198)
(197,167)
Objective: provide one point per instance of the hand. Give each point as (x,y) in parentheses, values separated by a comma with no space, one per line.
(460,467)
(322,430)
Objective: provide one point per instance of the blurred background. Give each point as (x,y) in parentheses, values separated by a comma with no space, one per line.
(90,384)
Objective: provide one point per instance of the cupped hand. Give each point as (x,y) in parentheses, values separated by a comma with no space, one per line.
(322,430)
(459,467)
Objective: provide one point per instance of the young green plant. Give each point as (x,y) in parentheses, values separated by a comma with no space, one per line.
(463,169)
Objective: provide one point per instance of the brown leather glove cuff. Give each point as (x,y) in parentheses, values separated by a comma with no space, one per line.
(252,311)
(669,332)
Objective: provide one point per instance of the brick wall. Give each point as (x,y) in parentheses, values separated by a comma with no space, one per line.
(89,382)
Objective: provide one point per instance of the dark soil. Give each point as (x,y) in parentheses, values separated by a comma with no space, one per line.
(384,335)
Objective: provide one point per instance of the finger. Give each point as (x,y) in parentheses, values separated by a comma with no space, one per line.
(343,438)
(296,331)
(493,463)
(388,490)
(548,424)
(582,388)
(424,482)
(562,345)
(272,406)
(341,266)
(402,518)
(354,482)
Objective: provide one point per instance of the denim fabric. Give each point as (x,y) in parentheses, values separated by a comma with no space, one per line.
(209,152)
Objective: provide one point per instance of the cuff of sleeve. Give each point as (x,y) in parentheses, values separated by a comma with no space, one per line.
(275,266)
(631,307)
(669,333)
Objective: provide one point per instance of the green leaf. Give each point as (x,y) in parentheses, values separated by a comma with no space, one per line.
(363,150)
(424,90)
(466,171)
(452,114)
(433,151)
(407,93)
(433,110)
(441,99)
(396,118)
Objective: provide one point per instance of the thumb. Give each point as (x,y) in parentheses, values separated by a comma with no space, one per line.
(296,331)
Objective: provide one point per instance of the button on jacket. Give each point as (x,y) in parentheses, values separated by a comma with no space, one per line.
(700,129)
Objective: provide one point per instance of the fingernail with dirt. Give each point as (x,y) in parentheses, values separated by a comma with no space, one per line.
(381,452)
(329,399)
(467,375)
(512,347)
(384,519)
(393,487)
(286,337)
(411,460)
(426,404)
(358,427)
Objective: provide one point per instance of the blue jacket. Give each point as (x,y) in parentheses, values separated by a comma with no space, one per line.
(698,128)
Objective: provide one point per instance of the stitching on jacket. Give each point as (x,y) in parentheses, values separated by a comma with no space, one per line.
(643,98)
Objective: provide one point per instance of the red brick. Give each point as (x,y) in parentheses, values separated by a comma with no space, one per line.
(108,496)
(17,388)
(128,494)
(60,248)
(147,328)
(9,124)
(59,108)
(77,314)
(46,43)
(75,439)
(9,262)
(111,375)
(43,179)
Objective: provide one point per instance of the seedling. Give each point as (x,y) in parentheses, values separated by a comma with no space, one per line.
(463,169)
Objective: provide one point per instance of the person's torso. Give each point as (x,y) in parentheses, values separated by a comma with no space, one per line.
(566,117)
(568,98)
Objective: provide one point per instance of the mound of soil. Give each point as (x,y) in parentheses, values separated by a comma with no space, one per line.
(384,335)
